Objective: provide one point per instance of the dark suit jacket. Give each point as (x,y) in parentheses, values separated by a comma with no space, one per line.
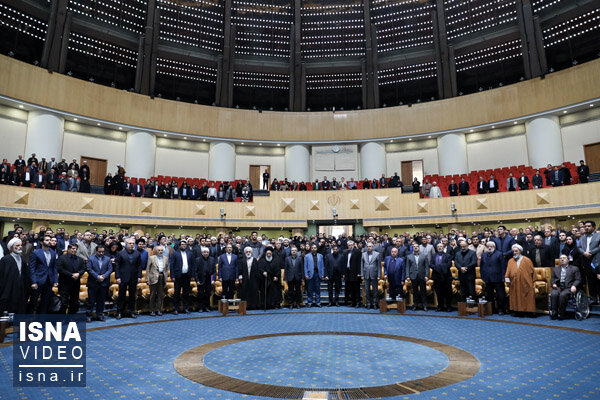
(176,263)
(468,260)
(64,265)
(523,183)
(355,264)
(39,270)
(482,187)
(546,257)
(14,287)
(463,188)
(396,271)
(335,264)
(537,181)
(228,271)
(294,269)
(453,189)
(495,188)
(204,268)
(573,277)
(96,267)
(441,271)
(492,267)
(125,270)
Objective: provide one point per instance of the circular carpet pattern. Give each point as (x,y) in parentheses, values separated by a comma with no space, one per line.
(326,361)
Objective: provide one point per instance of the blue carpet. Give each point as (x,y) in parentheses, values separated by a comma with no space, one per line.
(517,361)
(325,361)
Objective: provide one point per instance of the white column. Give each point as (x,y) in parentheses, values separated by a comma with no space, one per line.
(544,144)
(44,135)
(372,160)
(452,154)
(140,154)
(221,161)
(297,163)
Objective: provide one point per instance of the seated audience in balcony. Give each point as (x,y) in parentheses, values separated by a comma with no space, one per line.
(39,179)
(453,188)
(511,183)
(548,174)
(583,172)
(32,159)
(374,183)
(275,185)
(435,191)
(366,184)
(29,174)
(482,186)
(493,184)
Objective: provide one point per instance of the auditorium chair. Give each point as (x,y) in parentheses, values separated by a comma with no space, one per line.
(83,294)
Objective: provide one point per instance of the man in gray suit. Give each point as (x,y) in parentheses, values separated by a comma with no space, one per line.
(417,272)
(370,271)
(590,246)
(426,248)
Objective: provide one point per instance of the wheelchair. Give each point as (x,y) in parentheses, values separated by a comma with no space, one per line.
(579,303)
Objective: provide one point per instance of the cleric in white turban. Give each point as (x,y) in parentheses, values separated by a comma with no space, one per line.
(14,280)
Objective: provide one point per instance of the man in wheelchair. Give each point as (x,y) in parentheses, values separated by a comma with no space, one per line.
(565,281)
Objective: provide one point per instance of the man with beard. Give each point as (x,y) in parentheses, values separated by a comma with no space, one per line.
(250,279)
(128,273)
(205,277)
(42,265)
(334,273)
(352,259)
(492,273)
(14,279)
(271,270)
(314,271)
(70,268)
(294,267)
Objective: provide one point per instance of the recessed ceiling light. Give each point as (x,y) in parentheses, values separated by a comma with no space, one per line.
(565,111)
(591,105)
(409,138)
(242,143)
(278,144)
(74,119)
(470,130)
(204,140)
(429,137)
(391,141)
(20,105)
(514,123)
(493,126)
(120,128)
(165,135)
(98,124)
(184,138)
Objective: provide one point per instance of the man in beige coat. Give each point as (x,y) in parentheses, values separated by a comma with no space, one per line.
(157,274)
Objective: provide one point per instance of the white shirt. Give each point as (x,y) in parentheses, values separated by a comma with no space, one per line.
(184,268)
(587,243)
(491,183)
(212,192)
(229,258)
(161,265)
(48,256)
(417,260)
(349,255)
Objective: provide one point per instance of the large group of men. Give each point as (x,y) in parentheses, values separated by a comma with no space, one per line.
(32,263)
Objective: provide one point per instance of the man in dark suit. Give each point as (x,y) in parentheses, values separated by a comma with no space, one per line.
(335,268)
(504,243)
(138,190)
(352,259)
(182,271)
(228,271)
(493,269)
(465,261)
(551,242)
(482,186)
(463,187)
(293,273)
(417,272)
(383,183)
(99,269)
(325,185)
(565,281)
(128,273)
(453,188)
(493,184)
(42,266)
(583,171)
(250,279)
(537,181)
(205,276)
(70,268)
(15,279)
(566,173)
(540,255)
(556,177)
(589,244)
(266,177)
(394,270)
(523,182)
(441,262)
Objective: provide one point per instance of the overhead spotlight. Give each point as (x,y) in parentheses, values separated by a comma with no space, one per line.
(285,109)
(480,89)
(164,135)
(159,96)
(308,109)
(120,128)
(98,124)
(551,70)
(384,105)
(501,84)
(112,85)
(260,144)
(493,126)
(92,79)
(254,107)
(574,62)
(74,119)
(565,111)
(70,73)
(11,54)
(270,108)
(184,138)
(358,107)
(36,63)
(21,106)
(237,106)
(521,79)
(177,98)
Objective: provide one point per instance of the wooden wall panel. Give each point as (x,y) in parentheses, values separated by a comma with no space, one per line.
(382,207)
(35,85)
